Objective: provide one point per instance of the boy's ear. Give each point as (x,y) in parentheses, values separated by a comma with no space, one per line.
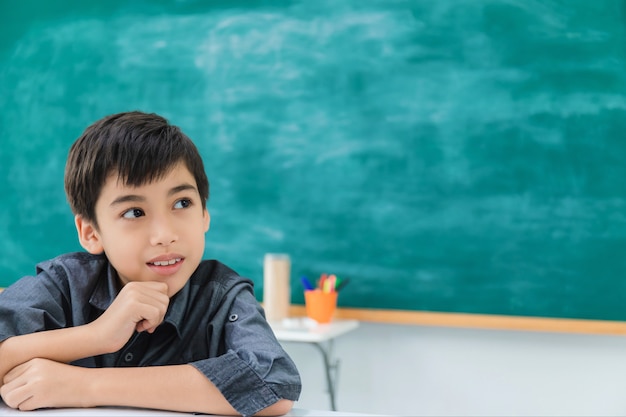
(88,235)
(207,220)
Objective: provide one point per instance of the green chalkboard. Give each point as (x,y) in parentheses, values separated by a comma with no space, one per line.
(449,155)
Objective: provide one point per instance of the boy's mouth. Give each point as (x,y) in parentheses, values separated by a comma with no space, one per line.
(166,263)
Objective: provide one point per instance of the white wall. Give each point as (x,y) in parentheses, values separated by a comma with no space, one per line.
(436,371)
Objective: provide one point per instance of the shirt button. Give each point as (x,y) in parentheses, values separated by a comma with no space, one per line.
(129,357)
(233,317)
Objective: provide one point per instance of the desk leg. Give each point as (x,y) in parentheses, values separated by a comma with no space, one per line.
(332,370)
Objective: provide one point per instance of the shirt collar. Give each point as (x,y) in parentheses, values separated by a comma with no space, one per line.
(106,290)
(176,310)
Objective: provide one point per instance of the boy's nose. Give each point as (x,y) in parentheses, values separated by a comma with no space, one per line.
(162,233)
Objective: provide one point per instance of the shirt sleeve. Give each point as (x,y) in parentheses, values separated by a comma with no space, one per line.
(31,304)
(255,372)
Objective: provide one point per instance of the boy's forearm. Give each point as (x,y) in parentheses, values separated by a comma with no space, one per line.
(176,387)
(43,383)
(61,345)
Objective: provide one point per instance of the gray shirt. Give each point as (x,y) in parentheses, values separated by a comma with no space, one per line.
(213,323)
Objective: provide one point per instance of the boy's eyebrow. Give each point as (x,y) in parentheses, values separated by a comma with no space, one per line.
(134,198)
(127,198)
(182,187)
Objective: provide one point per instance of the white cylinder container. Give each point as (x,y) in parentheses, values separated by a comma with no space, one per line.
(276,288)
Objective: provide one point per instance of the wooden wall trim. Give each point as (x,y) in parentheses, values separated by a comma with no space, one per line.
(483,321)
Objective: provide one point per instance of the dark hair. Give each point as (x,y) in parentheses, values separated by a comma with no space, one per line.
(139,147)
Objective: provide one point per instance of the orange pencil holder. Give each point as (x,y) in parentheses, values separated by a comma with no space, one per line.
(320,306)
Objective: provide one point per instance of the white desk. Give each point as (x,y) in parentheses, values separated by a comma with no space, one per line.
(304,330)
(141,412)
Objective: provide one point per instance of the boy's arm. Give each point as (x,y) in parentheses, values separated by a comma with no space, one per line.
(140,306)
(62,345)
(43,383)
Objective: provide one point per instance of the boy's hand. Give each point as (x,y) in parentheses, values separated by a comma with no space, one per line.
(42,383)
(139,306)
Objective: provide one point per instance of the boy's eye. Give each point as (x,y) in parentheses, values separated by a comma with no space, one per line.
(133,213)
(182,203)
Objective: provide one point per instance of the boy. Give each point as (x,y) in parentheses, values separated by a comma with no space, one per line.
(140,320)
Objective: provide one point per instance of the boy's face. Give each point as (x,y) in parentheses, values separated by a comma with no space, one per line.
(154,232)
